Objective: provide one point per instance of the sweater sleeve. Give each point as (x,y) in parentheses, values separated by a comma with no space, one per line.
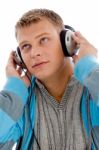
(87,72)
(13,97)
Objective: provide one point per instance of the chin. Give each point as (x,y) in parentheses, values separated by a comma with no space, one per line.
(43,74)
(42,77)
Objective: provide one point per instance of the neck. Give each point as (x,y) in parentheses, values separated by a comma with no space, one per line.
(57,85)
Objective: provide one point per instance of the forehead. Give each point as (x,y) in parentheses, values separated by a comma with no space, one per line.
(43,26)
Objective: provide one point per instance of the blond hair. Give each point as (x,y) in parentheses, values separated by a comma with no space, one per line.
(35,15)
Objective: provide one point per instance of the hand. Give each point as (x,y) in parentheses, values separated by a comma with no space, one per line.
(84,47)
(13,70)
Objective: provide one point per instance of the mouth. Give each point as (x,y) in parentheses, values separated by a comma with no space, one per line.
(39,64)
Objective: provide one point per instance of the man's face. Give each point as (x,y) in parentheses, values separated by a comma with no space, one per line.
(41,49)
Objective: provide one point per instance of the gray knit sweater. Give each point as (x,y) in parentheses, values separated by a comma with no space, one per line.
(59,125)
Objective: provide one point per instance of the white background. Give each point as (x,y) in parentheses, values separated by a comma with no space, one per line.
(81,14)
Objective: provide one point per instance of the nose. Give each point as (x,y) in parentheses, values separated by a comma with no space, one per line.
(35,52)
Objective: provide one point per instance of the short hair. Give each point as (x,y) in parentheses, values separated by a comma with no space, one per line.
(35,15)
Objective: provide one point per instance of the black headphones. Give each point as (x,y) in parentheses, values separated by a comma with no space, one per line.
(66,42)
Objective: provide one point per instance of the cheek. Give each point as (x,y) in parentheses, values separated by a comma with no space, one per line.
(57,53)
(56,49)
(26,60)
(57,58)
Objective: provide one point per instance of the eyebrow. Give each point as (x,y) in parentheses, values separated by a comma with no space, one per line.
(21,43)
(36,37)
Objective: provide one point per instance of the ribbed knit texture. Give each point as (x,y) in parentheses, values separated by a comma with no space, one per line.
(58,125)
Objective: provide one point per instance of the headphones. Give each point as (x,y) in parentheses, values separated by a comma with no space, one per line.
(18,58)
(67,42)
(68,45)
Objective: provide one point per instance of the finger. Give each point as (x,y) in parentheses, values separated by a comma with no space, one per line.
(75,58)
(80,36)
(76,38)
(26,80)
(10,59)
(19,70)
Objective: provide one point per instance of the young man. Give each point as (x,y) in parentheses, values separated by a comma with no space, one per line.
(55,116)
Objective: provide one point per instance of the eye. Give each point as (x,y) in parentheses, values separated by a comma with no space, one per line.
(44,40)
(26,47)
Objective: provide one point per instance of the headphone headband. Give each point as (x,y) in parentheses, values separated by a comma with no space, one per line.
(69,28)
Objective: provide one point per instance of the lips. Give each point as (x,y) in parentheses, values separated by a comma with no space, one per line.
(38,64)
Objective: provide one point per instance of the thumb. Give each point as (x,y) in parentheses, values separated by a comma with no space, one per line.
(26,79)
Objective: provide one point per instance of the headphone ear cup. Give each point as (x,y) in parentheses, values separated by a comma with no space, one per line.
(19,57)
(67,42)
(63,42)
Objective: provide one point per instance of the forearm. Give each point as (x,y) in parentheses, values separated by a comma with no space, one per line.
(12,100)
(87,72)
